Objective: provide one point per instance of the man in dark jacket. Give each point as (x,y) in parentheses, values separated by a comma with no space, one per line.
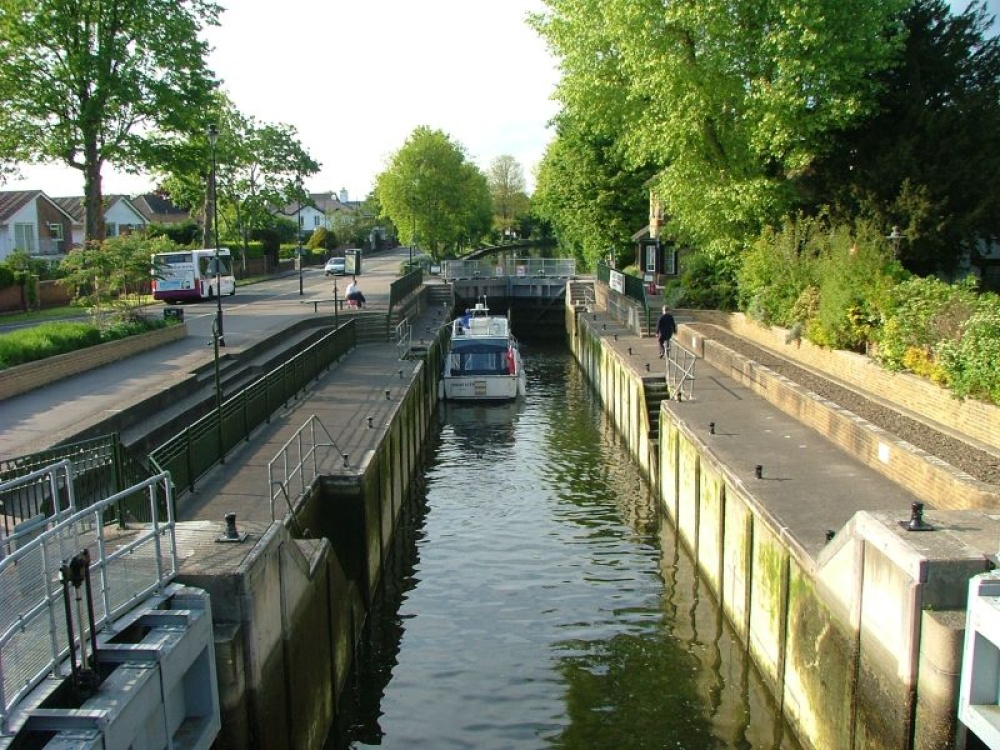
(665,329)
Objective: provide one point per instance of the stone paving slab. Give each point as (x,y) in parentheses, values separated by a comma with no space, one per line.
(342,399)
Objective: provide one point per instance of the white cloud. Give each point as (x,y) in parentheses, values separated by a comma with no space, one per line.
(355,79)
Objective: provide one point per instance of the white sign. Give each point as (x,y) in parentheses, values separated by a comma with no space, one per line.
(617,281)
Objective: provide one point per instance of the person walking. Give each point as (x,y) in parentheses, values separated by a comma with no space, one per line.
(666,327)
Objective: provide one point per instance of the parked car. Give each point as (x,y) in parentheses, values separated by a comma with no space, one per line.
(335,267)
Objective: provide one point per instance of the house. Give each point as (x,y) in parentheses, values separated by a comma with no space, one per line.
(159,210)
(655,257)
(326,210)
(121,216)
(33,222)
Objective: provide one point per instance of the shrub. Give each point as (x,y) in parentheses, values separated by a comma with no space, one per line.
(776,270)
(970,362)
(920,314)
(707,283)
(49,339)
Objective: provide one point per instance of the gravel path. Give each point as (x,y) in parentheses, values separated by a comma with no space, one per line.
(977,463)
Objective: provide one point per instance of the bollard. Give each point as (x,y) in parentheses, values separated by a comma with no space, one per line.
(370,422)
(232,534)
(711,428)
(758,471)
(647,367)
(630,351)
(344,456)
(916,522)
(400,374)
(830,534)
(386,394)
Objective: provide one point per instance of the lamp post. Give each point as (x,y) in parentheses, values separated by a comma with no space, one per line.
(213,136)
(894,237)
(298,225)
(413,238)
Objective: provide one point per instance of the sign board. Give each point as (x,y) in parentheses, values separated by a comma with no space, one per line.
(617,281)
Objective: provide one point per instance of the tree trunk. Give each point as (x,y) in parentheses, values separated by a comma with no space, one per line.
(93,196)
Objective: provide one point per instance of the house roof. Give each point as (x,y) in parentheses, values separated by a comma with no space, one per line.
(73,205)
(12,201)
(326,203)
(158,209)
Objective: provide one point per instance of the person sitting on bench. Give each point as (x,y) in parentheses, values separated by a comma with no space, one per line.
(354,294)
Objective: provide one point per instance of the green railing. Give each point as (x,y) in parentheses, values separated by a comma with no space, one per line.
(207,441)
(403,287)
(632,287)
(101,468)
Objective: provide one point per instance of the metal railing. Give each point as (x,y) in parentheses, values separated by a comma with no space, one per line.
(101,467)
(401,288)
(34,501)
(127,567)
(289,469)
(403,337)
(534,268)
(188,455)
(680,363)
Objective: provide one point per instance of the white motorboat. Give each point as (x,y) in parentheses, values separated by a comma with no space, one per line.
(483,361)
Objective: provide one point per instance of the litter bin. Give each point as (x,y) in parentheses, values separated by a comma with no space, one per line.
(174,313)
(352,259)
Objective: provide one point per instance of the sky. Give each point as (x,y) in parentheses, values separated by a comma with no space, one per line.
(356,78)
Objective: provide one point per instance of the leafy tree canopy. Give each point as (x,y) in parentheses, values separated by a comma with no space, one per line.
(433,194)
(93,83)
(732,98)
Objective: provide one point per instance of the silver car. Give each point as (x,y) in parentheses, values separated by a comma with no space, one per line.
(335,267)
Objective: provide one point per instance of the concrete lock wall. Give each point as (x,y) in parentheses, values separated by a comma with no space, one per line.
(849,642)
(288,620)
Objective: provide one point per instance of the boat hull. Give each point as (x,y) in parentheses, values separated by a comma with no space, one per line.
(482,387)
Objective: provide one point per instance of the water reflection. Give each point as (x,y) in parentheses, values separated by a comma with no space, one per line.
(535,600)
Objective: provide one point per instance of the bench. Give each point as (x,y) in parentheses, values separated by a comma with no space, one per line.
(340,301)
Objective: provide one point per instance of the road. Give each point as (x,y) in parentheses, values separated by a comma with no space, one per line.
(38,419)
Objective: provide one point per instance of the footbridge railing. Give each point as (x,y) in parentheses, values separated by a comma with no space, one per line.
(122,567)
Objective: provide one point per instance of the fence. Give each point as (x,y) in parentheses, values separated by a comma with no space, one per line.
(101,467)
(557,268)
(205,443)
(401,288)
(127,567)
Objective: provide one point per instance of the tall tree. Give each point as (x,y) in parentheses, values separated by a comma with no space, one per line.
(732,98)
(258,166)
(928,160)
(433,194)
(507,189)
(92,83)
(593,202)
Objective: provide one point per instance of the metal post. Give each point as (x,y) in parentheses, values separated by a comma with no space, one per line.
(298,232)
(213,136)
(336,304)
(218,393)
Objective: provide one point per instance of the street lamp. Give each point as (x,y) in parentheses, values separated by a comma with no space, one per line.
(213,136)
(298,222)
(894,237)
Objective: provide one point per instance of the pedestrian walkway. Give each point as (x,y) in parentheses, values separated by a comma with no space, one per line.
(808,485)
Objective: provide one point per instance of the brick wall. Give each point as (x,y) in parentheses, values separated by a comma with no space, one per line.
(23,378)
(975,419)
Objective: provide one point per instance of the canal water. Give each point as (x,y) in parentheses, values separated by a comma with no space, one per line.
(536,598)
